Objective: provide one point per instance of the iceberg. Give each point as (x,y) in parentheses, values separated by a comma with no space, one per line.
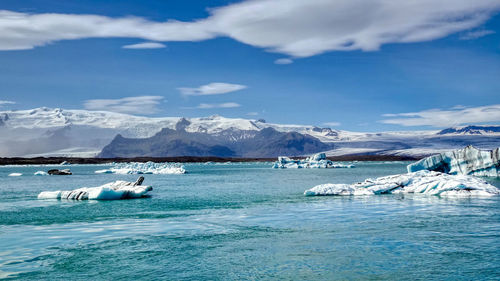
(466,161)
(64,172)
(41,173)
(421,182)
(316,161)
(15,174)
(110,191)
(143,168)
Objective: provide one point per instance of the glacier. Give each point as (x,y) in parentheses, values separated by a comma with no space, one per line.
(466,161)
(315,161)
(110,191)
(42,132)
(144,168)
(421,182)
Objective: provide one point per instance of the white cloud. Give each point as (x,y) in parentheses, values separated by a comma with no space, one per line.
(143,105)
(218,105)
(4,102)
(145,45)
(283,61)
(446,118)
(476,34)
(212,89)
(294,27)
(252,113)
(332,124)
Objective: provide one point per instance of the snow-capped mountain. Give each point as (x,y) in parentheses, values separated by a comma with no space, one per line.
(58,132)
(472,130)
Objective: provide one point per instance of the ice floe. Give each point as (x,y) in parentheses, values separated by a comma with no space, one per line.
(421,182)
(466,161)
(15,174)
(110,191)
(57,172)
(144,168)
(41,173)
(316,161)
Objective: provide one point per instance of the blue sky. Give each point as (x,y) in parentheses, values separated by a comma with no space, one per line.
(342,70)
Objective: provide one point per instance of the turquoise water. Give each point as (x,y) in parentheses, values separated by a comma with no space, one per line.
(243,222)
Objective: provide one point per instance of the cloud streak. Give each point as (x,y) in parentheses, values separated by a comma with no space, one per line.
(145,45)
(218,105)
(283,61)
(446,118)
(332,124)
(142,105)
(476,34)
(318,25)
(215,88)
(4,102)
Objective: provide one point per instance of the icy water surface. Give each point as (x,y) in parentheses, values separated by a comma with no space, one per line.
(243,222)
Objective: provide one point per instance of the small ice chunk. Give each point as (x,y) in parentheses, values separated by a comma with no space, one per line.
(41,173)
(15,174)
(422,182)
(110,191)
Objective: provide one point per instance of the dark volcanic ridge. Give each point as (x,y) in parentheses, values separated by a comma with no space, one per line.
(265,143)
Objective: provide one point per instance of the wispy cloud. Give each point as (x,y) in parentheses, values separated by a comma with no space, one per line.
(476,34)
(332,124)
(283,61)
(252,113)
(218,105)
(318,25)
(145,45)
(143,105)
(215,88)
(446,118)
(4,102)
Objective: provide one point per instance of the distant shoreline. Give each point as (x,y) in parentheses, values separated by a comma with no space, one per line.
(183,159)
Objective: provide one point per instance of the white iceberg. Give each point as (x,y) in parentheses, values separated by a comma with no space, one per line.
(466,161)
(110,191)
(316,161)
(421,182)
(144,168)
(41,173)
(15,174)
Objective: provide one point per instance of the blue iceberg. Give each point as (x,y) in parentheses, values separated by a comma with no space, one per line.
(318,160)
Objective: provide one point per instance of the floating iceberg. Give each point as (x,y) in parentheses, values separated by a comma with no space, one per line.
(41,173)
(143,168)
(316,161)
(64,172)
(466,161)
(423,182)
(110,191)
(15,174)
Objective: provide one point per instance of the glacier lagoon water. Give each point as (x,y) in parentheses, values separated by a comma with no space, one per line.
(243,222)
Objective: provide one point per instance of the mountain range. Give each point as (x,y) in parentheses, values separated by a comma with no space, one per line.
(81,133)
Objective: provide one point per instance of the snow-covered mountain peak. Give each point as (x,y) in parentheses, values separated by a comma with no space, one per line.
(44,131)
(472,130)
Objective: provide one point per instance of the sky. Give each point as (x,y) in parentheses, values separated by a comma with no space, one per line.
(355,65)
